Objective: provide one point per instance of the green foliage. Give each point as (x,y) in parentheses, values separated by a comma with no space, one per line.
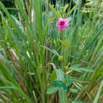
(38,64)
(60,83)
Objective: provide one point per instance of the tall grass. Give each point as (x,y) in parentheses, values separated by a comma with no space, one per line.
(38,64)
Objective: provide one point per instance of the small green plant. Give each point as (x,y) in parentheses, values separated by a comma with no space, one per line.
(59,82)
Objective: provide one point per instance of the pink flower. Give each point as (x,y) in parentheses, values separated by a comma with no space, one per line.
(62,24)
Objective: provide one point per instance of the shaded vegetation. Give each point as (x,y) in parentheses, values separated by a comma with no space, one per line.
(40,64)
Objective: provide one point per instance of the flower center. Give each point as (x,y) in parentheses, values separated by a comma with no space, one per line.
(62,23)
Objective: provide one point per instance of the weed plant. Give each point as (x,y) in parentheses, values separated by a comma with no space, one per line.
(40,64)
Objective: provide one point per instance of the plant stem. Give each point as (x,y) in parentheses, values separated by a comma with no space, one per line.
(63,64)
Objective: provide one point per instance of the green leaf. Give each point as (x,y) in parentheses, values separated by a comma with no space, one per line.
(52,89)
(71,10)
(77,101)
(60,58)
(74,90)
(59,74)
(65,7)
(62,96)
(68,81)
(53,51)
(98,93)
(65,42)
(58,84)
(8,87)
(78,68)
(53,75)
(57,13)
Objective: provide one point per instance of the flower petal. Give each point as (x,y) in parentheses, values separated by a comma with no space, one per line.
(62,24)
(66,26)
(60,28)
(60,19)
(66,20)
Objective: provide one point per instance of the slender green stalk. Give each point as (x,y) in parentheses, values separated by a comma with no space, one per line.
(98,93)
